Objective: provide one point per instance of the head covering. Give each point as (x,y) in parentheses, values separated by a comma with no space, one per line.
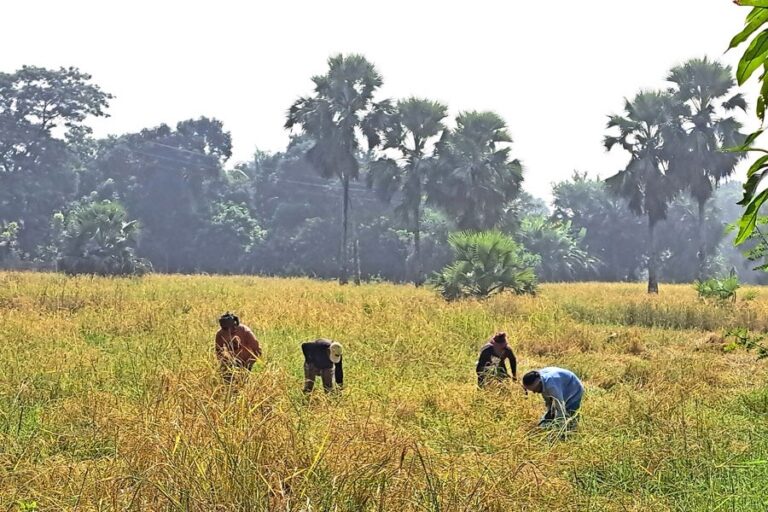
(335,352)
(227,319)
(500,338)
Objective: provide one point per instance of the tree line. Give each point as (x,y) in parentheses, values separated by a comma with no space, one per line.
(367,188)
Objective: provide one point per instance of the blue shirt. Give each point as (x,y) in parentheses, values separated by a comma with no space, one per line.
(562,391)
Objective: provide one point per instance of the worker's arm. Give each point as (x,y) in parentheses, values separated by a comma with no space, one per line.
(306,349)
(222,353)
(512,362)
(251,343)
(339,372)
(548,412)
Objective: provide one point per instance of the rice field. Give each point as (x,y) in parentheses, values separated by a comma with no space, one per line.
(110,399)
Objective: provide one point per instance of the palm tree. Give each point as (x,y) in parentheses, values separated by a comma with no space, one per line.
(411,131)
(701,89)
(341,109)
(486,263)
(99,239)
(644,131)
(477,178)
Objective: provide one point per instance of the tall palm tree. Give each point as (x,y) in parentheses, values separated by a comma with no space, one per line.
(477,177)
(701,88)
(411,132)
(341,108)
(644,132)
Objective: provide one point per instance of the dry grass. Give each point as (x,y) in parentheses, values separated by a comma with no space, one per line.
(109,400)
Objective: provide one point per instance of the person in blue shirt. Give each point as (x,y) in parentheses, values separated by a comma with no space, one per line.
(562,391)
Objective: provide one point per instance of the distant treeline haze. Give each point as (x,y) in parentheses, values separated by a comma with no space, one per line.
(367,188)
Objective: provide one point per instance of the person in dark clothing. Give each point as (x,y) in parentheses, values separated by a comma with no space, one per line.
(322,357)
(491,365)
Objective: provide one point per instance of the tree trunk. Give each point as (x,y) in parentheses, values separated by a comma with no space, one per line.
(356,258)
(419,278)
(653,282)
(355,242)
(702,256)
(344,269)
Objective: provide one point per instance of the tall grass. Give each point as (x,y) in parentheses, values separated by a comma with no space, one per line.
(110,400)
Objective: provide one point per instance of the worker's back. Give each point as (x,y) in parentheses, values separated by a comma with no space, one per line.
(560,382)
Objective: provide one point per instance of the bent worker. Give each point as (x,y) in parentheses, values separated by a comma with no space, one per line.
(236,345)
(322,357)
(491,365)
(562,391)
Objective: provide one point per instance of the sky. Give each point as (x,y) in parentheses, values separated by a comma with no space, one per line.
(553,70)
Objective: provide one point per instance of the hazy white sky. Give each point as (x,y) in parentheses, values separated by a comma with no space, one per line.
(553,70)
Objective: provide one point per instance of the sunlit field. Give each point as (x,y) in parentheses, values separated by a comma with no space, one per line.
(110,399)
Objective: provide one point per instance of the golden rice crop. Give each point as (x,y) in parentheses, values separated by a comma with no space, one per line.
(110,399)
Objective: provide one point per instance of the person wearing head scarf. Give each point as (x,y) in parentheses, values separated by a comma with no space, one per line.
(491,365)
(562,391)
(236,345)
(322,357)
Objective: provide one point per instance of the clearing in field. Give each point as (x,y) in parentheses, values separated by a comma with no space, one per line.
(110,399)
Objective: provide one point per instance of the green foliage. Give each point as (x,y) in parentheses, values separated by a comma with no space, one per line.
(414,125)
(168,178)
(644,132)
(99,239)
(749,295)
(281,213)
(702,130)
(27,506)
(229,238)
(486,263)
(43,140)
(342,106)
(613,234)
(754,57)
(718,289)
(476,177)
(756,244)
(741,337)
(618,238)
(9,234)
(559,248)
(690,234)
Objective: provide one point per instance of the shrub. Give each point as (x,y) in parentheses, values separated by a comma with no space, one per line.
(99,239)
(9,237)
(486,263)
(749,295)
(742,338)
(721,290)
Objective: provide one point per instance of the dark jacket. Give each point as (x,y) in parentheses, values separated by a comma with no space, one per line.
(490,363)
(317,353)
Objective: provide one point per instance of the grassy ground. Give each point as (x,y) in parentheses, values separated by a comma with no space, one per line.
(110,400)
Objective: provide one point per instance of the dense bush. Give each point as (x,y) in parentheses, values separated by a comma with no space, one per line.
(486,263)
(99,239)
